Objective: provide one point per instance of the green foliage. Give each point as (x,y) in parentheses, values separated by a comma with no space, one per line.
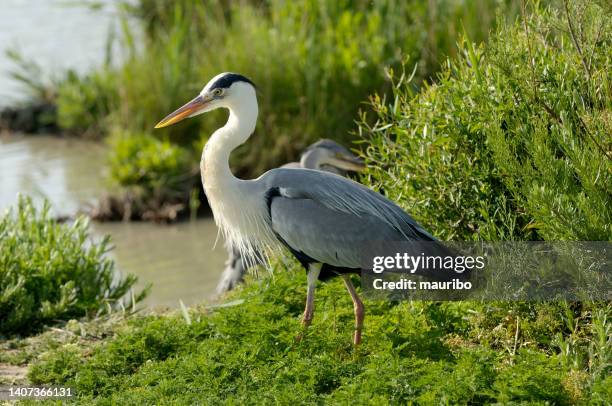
(513,142)
(424,352)
(37,112)
(314,62)
(157,179)
(83,102)
(50,272)
(155,166)
(29,75)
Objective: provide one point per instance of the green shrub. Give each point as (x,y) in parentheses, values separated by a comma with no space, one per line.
(84,102)
(513,142)
(50,272)
(157,179)
(152,164)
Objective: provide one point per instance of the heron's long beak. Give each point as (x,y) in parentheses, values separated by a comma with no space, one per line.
(187,110)
(348,162)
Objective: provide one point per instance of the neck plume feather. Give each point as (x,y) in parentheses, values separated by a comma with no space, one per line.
(239,208)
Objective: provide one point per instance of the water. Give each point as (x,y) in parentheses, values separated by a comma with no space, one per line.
(66,171)
(178,259)
(56,34)
(62,34)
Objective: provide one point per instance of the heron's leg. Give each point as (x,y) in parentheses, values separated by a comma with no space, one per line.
(357,307)
(313,275)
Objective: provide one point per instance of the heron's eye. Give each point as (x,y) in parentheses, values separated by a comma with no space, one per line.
(218,92)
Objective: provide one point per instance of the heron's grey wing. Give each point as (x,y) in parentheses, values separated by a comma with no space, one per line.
(343,195)
(314,232)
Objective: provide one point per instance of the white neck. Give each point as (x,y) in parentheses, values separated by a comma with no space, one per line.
(215,157)
(238,211)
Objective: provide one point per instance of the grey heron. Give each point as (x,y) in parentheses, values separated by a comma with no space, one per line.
(323,219)
(323,155)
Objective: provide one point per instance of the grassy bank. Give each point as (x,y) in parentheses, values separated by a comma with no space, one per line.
(425,352)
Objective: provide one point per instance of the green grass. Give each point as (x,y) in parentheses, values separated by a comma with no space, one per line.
(513,142)
(51,272)
(423,352)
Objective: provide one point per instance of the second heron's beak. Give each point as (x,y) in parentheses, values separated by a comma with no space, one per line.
(348,162)
(192,108)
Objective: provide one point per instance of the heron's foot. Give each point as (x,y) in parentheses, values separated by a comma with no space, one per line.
(306,321)
(301,334)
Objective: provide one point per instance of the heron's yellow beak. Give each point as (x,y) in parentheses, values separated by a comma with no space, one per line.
(189,109)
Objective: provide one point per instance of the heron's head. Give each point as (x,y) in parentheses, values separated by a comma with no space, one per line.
(229,90)
(332,157)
